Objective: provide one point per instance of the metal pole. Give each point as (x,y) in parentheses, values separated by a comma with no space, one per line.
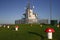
(50,10)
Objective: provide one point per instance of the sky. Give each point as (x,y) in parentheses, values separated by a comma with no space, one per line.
(11,10)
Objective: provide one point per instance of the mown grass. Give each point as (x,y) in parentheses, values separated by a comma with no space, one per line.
(28,32)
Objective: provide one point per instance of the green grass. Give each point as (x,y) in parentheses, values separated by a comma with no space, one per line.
(28,32)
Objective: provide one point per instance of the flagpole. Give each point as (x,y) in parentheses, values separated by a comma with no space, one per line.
(50,10)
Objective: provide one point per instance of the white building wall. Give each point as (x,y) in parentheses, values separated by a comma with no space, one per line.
(31,15)
(45,21)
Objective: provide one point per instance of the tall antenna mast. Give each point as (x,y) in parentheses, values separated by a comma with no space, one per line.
(28,5)
(50,9)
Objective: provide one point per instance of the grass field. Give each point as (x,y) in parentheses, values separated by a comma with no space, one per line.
(28,32)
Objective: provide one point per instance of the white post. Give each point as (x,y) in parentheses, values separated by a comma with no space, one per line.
(49,35)
(7,26)
(16,28)
(58,26)
(41,25)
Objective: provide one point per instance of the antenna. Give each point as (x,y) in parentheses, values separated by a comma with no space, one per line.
(28,5)
(50,9)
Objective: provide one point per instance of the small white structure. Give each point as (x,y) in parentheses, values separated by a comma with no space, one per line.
(58,25)
(41,25)
(8,26)
(16,28)
(49,30)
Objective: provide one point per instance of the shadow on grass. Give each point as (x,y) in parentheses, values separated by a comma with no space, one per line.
(42,37)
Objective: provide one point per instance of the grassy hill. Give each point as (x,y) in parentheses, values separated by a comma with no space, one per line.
(28,32)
